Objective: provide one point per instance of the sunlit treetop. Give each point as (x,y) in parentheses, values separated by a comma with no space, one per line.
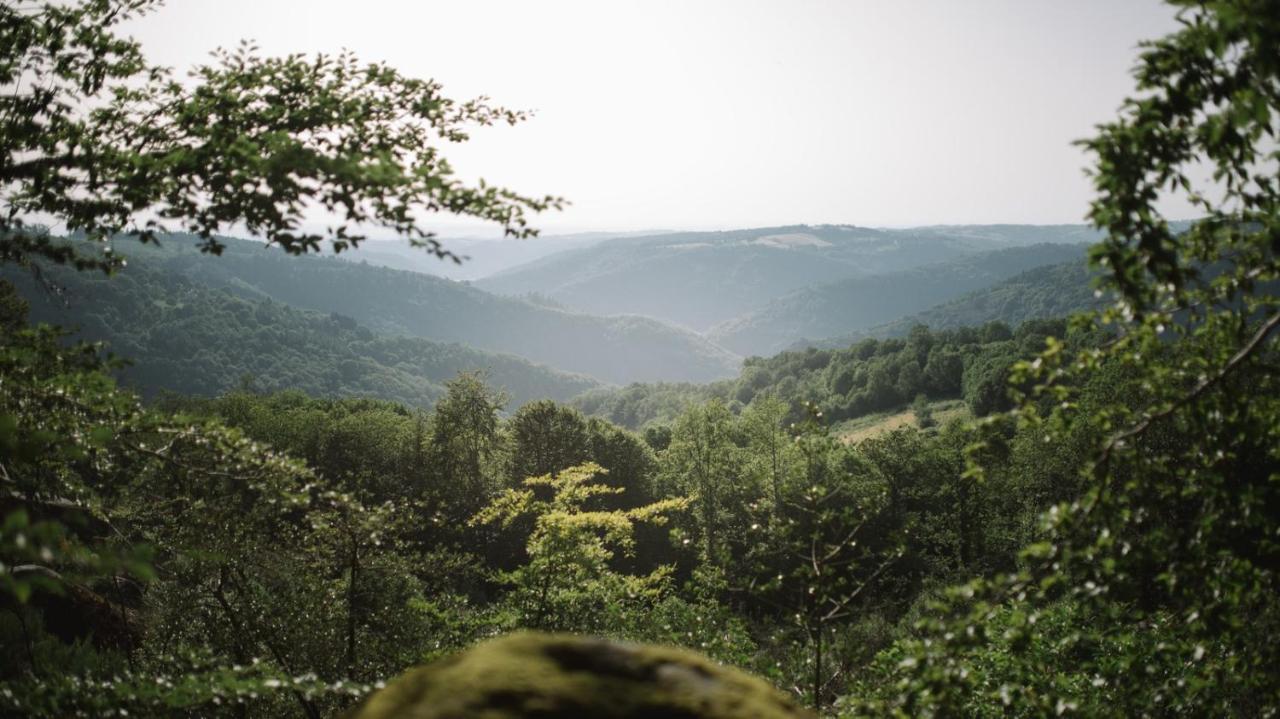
(103,143)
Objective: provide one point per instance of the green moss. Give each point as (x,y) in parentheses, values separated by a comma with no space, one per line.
(551,676)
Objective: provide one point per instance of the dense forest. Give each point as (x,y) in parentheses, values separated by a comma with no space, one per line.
(413,534)
(309,475)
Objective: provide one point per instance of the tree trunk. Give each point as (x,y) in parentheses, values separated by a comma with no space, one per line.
(817,668)
(351,608)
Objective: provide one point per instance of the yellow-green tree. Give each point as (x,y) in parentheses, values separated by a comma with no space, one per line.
(569,581)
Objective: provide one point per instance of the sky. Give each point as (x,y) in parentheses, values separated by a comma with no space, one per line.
(717,114)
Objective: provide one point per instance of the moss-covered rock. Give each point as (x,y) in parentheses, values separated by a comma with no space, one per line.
(553,676)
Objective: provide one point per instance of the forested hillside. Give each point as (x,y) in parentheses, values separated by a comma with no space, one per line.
(612,349)
(699,279)
(1040,293)
(859,303)
(182,336)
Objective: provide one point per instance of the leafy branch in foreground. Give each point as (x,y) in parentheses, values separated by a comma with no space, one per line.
(95,138)
(1156,588)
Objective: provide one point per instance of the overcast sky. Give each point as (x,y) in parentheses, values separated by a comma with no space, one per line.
(702,115)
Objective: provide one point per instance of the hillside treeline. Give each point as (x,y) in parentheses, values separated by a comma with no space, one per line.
(872,375)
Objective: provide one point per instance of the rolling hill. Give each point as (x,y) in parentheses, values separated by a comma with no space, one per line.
(183,336)
(860,303)
(1043,292)
(481,256)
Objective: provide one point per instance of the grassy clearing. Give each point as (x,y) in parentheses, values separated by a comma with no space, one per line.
(855,430)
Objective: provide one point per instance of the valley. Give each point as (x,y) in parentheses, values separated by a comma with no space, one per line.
(399,334)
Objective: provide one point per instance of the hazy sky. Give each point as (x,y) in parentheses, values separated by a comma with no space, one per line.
(702,114)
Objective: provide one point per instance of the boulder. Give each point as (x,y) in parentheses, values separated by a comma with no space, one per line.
(552,676)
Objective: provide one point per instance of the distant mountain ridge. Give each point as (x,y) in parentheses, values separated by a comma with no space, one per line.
(480,256)
(398,302)
(860,303)
(701,279)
